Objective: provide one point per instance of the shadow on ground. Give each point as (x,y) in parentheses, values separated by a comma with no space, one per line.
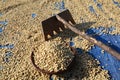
(83,64)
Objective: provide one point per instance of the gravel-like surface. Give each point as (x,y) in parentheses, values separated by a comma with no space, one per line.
(24,31)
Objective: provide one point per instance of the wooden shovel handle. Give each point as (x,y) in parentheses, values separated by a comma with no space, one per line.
(94,41)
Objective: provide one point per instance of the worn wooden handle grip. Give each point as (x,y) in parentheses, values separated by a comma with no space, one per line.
(94,41)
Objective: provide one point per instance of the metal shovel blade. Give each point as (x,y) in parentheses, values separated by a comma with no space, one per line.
(52,24)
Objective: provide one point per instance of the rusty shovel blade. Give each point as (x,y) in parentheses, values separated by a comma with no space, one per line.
(52,24)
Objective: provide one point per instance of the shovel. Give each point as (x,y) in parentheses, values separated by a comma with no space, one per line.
(62,19)
(59,21)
